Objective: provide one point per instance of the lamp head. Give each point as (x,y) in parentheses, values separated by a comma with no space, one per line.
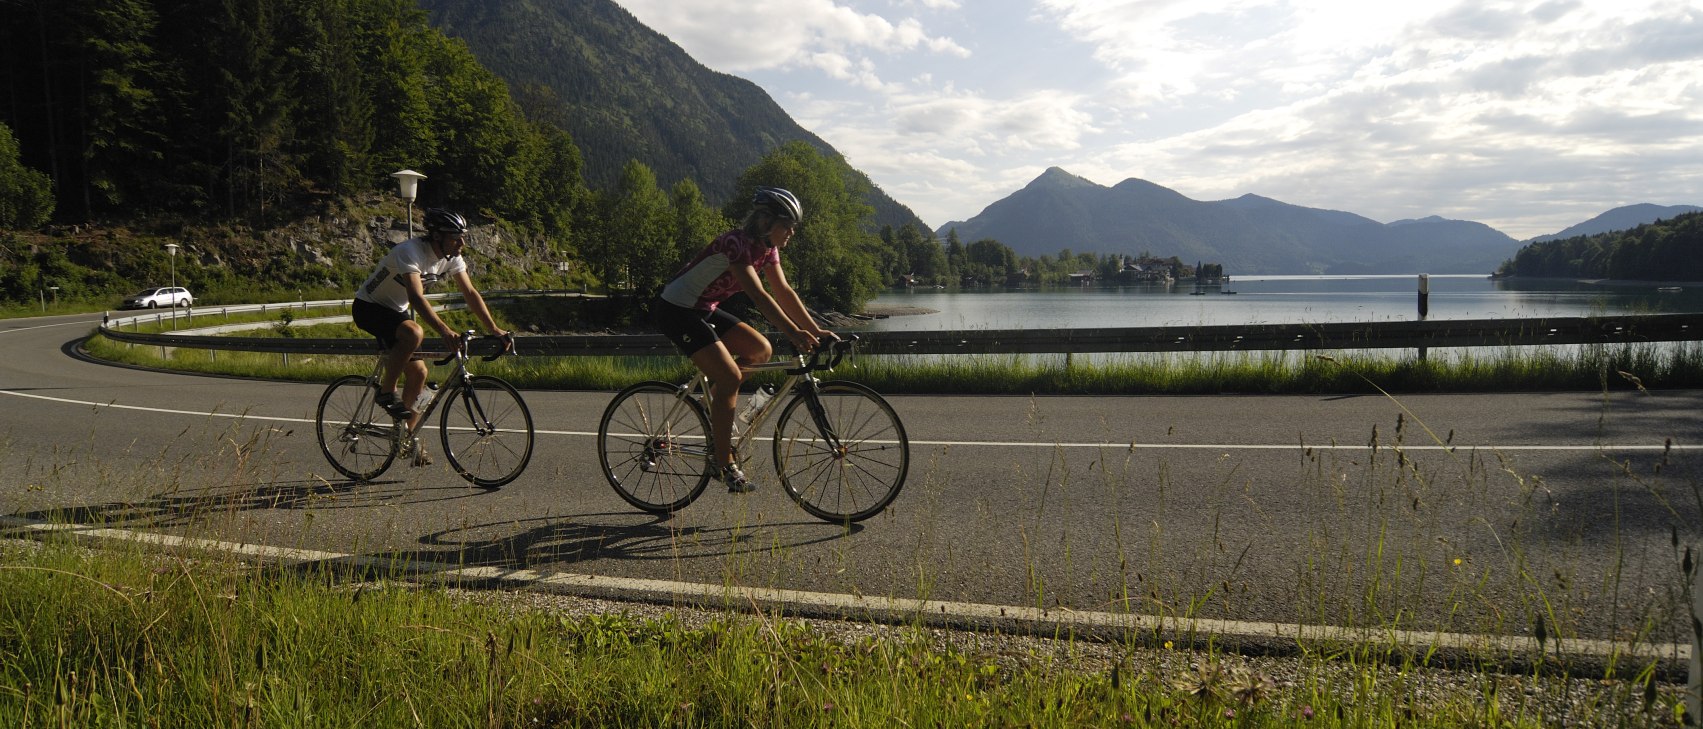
(407,182)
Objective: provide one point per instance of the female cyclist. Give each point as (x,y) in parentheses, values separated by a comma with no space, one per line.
(688,311)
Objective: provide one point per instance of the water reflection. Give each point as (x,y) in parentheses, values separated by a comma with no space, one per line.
(1275,300)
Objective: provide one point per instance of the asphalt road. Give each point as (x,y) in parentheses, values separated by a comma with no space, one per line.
(1472,513)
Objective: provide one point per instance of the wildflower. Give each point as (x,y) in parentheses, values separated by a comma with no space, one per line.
(1307,712)
(1457,561)
(1168,645)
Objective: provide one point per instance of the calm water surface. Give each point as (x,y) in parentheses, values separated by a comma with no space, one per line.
(1274,300)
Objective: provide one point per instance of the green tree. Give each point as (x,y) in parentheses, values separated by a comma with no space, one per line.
(26,195)
(335,117)
(831,260)
(956,256)
(122,127)
(405,136)
(635,244)
(695,222)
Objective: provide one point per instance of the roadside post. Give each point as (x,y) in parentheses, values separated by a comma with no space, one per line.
(1694,687)
(1424,304)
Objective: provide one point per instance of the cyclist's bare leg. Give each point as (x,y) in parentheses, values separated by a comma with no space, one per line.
(401,364)
(747,346)
(718,364)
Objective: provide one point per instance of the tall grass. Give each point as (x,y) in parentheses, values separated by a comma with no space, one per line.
(126,638)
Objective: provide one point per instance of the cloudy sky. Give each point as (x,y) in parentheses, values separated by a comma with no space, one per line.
(1526,116)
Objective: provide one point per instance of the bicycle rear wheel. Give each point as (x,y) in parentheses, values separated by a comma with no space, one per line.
(486,432)
(356,435)
(655,447)
(847,462)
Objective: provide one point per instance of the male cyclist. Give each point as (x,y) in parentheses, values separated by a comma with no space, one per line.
(385,306)
(688,313)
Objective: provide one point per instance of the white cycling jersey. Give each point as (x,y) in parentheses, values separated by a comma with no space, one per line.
(385,286)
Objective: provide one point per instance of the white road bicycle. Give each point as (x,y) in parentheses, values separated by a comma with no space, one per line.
(839,448)
(485,427)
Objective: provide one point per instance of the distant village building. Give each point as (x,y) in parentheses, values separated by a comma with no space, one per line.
(1133,272)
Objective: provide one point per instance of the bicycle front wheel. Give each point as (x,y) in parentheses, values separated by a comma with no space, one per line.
(655,447)
(356,435)
(486,432)
(845,461)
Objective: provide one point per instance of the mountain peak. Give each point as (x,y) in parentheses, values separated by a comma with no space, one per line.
(1058,177)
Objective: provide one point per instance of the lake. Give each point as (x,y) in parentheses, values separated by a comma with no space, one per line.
(1274,300)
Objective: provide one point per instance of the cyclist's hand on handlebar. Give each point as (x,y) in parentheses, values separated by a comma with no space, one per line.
(507,339)
(452,343)
(803,340)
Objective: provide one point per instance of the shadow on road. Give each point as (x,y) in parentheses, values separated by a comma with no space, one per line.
(554,543)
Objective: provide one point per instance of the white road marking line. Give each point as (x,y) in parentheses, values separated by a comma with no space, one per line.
(90,322)
(896,606)
(964,443)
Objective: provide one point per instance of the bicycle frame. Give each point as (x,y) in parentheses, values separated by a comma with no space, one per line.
(458,379)
(801,372)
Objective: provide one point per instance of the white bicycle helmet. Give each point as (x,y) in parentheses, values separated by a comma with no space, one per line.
(779,203)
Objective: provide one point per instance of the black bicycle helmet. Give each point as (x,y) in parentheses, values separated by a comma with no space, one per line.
(779,203)
(439,220)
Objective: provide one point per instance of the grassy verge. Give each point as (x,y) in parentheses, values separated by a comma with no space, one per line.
(147,639)
(1589,367)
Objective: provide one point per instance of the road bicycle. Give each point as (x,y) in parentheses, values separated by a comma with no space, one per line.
(485,427)
(839,448)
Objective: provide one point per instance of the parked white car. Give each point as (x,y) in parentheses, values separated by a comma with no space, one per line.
(155,298)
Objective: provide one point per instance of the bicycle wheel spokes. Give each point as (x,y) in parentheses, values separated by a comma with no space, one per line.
(847,463)
(654,447)
(486,432)
(356,436)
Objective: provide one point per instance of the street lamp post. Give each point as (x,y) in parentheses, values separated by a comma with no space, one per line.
(408,183)
(171,248)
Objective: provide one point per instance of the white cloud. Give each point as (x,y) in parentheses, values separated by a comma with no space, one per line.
(1517,114)
(752,35)
(1463,111)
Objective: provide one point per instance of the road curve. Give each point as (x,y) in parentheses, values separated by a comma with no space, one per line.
(1465,514)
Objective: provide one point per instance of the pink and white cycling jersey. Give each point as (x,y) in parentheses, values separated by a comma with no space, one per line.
(707,281)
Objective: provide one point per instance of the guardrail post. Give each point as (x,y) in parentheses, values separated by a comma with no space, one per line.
(1424,305)
(1694,687)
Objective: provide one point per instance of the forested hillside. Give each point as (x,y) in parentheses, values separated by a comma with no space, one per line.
(261,134)
(249,110)
(627,92)
(1666,250)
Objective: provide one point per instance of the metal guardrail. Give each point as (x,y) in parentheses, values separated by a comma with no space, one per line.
(1251,337)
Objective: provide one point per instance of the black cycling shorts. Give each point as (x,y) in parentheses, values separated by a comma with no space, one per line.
(379,321)
(691,329)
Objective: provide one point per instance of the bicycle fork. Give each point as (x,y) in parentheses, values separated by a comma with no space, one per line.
(819,414)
